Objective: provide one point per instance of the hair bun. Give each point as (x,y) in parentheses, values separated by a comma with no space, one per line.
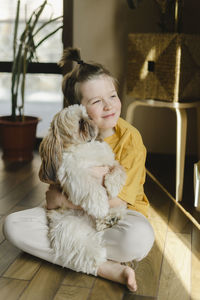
(72,54)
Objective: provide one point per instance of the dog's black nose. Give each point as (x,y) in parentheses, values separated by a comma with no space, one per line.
(81,123)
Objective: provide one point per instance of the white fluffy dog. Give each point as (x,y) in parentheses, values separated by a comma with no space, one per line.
(69,152)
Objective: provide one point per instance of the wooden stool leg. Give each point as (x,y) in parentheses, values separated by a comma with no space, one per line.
(130,111)
(181,117)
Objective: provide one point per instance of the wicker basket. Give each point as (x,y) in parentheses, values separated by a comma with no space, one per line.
(164,67)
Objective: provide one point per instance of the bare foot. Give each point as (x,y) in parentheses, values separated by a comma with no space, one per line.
(130,280)
(118,273)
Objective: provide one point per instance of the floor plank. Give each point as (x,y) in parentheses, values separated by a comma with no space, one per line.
(24,267)
(72,293)
(178,222)
(45,283)
(106,290)
(159,203)
(11,289)
(131,296)
(195,267)
(163,167)
(13,197)
(175,273)
(8,178)
(78,279)
(148,271)
(36,196)
(8,254)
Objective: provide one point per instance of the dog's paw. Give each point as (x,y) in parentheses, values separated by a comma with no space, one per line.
(115,214)
(114,181)
(101,225)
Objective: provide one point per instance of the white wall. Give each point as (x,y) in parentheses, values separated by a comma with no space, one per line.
(100,31)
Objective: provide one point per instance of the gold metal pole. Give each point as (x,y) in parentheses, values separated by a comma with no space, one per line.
(176,16)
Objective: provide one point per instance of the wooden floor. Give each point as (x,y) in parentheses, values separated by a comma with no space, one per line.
(170,271)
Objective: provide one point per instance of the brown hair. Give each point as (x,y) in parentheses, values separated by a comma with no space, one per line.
(80,73)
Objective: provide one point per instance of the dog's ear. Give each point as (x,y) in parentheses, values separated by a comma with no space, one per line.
(51,154)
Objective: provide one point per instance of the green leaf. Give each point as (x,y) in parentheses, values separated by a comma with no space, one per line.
(25,51)
(46,23)
(16,28)
(47,36)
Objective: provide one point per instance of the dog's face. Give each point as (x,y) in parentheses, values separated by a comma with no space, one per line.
(71,126)
(75,126)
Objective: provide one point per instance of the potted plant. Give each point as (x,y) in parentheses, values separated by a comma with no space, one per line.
(18,131)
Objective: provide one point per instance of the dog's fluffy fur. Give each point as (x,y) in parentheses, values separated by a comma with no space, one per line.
(69,152)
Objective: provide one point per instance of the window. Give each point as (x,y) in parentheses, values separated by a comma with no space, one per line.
(43,84)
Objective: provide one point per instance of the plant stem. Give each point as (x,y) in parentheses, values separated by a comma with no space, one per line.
(24,52)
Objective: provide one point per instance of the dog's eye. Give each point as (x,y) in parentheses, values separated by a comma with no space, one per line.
(81,122)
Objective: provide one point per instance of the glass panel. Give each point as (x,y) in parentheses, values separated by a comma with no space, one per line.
(43,97)
(50,50)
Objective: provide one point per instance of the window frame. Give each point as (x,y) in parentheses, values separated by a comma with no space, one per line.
(67,40)
(39,67)
(48,67)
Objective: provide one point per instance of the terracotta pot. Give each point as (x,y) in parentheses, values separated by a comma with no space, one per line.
(18,138)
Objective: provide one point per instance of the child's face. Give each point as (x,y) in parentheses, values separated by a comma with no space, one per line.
(100,98)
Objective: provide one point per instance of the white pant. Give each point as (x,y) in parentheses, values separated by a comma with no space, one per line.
(130,239)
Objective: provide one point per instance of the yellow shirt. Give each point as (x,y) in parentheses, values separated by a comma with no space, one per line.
(130,152)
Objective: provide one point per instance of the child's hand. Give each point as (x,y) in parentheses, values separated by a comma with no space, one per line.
(55,199)
(99,173)
(117,202)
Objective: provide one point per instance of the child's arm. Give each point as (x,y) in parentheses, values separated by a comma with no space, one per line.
(117,202)
(56,199)
(100,173)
